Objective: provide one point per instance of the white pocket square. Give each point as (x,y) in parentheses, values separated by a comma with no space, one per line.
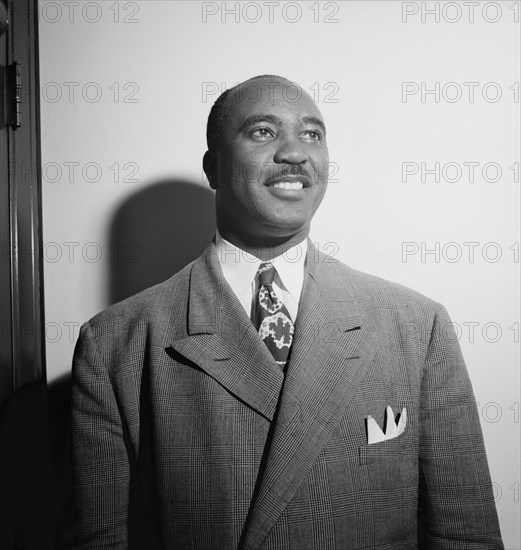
(392,429)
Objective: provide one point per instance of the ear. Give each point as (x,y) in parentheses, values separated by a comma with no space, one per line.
(210,168)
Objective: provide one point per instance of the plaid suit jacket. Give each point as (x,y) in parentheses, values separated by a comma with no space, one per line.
(187,435)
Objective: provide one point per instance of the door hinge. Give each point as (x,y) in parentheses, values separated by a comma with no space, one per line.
(14,100)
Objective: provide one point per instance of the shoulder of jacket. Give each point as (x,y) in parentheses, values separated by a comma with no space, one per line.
(150,305)
(377,292)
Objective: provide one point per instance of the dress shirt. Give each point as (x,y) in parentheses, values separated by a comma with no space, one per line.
(240,267)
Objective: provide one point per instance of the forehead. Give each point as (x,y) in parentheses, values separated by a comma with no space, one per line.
(287,100)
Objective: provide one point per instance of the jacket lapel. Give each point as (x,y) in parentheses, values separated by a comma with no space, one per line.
(331,351)
(218,337)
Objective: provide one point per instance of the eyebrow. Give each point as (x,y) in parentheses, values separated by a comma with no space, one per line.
(254,119)
(314,120)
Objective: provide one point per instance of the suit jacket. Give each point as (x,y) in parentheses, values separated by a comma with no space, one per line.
(186,434)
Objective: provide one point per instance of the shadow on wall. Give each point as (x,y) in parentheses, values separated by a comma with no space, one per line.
(154,233)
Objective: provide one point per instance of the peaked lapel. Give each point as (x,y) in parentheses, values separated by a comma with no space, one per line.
(218,337)
(331,350)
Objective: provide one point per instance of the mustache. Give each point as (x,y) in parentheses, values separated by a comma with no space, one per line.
(295,170)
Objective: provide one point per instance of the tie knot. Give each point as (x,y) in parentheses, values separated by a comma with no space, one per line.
(266,273)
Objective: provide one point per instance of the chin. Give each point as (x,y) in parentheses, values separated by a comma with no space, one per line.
(286,227)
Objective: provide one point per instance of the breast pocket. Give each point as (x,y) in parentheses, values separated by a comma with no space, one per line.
(391,449)
(389,465)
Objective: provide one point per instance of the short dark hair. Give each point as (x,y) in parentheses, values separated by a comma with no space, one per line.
(220,110)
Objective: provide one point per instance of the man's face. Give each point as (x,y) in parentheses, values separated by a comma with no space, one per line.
(270,173)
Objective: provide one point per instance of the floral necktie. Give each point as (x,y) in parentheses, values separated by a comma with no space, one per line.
(270,316)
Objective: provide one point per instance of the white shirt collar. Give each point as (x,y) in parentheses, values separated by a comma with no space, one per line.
(239,269)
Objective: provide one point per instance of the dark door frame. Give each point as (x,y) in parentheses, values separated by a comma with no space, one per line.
(26,517)
(21,305)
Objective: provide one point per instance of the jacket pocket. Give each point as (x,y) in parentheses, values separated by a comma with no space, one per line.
(384,450)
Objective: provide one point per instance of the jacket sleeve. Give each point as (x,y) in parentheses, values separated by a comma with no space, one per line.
(99,458)
(456,507)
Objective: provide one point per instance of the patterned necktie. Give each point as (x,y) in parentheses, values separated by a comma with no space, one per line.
(271,318)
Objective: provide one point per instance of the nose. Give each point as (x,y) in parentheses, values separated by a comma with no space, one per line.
(290,151)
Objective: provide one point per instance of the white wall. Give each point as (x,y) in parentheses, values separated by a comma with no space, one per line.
(160,65)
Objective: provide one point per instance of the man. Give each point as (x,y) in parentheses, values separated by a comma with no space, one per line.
(249,401)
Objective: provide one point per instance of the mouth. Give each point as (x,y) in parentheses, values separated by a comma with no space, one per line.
(290,183)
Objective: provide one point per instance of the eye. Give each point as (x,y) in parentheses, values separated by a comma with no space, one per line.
(262,134)
(313,135)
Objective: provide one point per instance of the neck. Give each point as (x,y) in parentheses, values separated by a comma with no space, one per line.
(267,248)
